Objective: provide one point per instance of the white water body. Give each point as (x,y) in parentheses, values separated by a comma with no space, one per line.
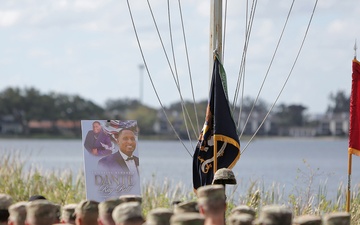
(288,163)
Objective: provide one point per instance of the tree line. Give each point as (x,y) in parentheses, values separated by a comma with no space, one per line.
(28,104)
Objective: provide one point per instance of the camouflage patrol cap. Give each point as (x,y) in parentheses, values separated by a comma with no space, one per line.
(274,215)
(159,216)
(240,219)
(107,207)
(5,201)
(130,198)
(337,218)
(211,193)
(224,176)
(182,207)
(68,212)
(307,220)
(40,210)
(243,209)
(17,211)
(187,219)
(127,211)
(87,206)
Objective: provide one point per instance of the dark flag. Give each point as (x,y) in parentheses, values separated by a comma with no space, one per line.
(354,130)
(218,136)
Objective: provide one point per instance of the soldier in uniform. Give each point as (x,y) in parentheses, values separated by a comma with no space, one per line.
(187,218)
(5,202)
(307,220)
(243,209)
(240,219)
(105,211)
(17,213)
(86,212)
(274,215)
(189,206)
(212,203)
(130,198)
(337,218)
(68,214)
(159,216)
(40,212)
(128,213)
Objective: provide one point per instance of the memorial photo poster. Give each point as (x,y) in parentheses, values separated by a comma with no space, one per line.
(111,158)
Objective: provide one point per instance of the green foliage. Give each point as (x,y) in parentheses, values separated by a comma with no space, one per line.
(187,118)
(291,115)
(30,104)
(339,102)
(145,117)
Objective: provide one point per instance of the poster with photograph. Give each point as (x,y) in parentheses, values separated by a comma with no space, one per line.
(111,158)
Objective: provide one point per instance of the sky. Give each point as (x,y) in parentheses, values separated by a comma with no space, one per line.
(89,48)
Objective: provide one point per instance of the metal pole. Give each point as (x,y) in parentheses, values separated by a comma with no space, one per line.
(355,48)
(215,33)
(349,183)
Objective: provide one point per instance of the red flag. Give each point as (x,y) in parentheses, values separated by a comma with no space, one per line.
(354,129)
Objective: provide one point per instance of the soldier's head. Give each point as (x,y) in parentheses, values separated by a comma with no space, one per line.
(307,220)
(17,213)
(128,213)
(187,218)
(86,212)
(189,206)
(159,216)
(105,211)
(211,199)
(243,209)
(240,219)
(130,198)
(335,218)
(40,212)
(274,215)
(68,213)
(5,202)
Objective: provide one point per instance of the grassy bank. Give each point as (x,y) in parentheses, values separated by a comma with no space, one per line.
(62,187)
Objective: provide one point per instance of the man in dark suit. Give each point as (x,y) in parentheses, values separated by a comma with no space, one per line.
(121,165)
(122,160)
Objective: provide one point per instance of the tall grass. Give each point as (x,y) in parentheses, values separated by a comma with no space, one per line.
(21,181)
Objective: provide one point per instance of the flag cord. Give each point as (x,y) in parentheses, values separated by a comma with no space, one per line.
(150,77)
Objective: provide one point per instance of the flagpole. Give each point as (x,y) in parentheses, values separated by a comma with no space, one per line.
(215,33)
(215,48)
(349,182)
(355,48)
